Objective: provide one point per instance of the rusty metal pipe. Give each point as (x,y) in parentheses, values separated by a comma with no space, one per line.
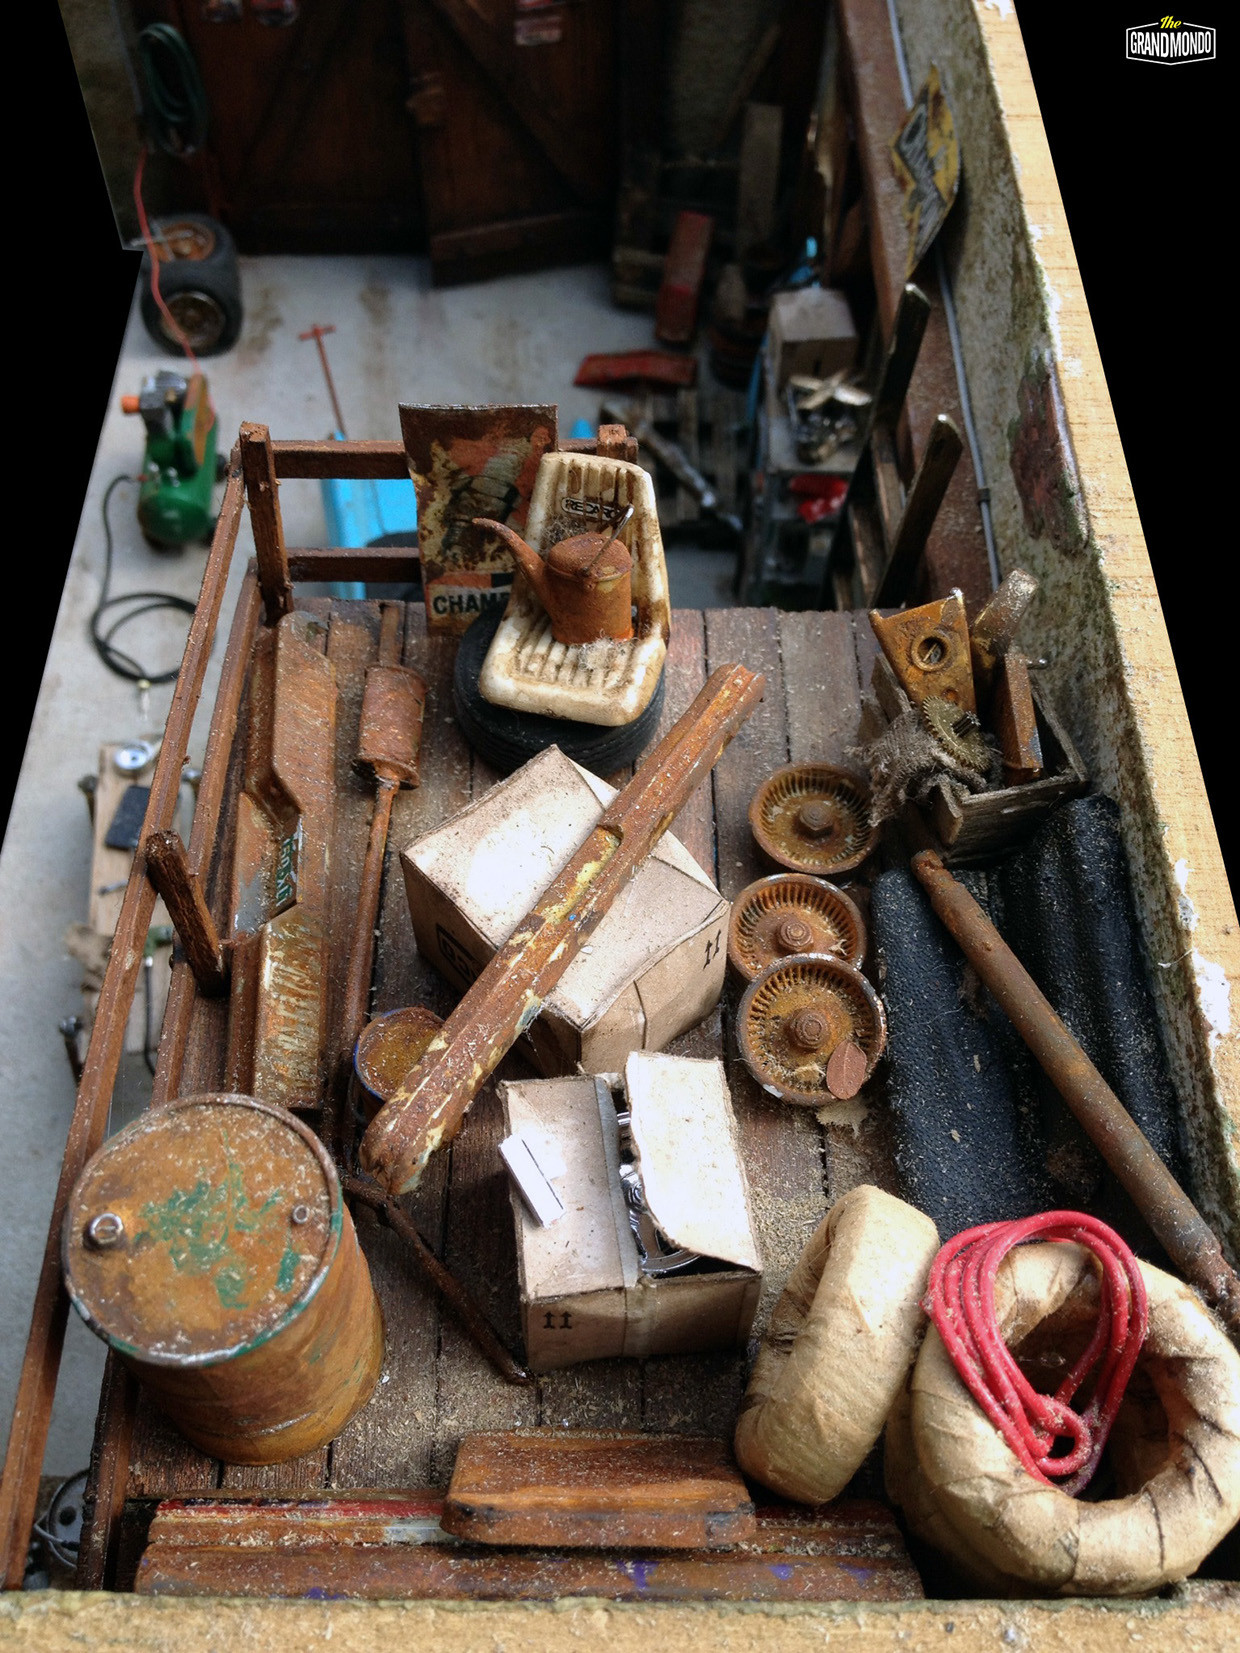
(428,1107)
(1178,1225)
(440,1277)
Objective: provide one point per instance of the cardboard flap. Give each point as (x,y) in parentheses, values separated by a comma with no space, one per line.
(591,1247)
(689,1156)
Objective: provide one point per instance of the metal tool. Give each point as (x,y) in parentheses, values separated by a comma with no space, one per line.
(992,632)
(812,818)
(794,1018)
(677,462)
(429,1107)
(389,744)
(1180,1228)
(791,913)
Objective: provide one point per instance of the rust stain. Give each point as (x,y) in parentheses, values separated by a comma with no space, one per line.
(1043,463)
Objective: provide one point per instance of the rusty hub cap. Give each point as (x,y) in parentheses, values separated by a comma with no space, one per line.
(813,818)
(796,1014)
(792,913)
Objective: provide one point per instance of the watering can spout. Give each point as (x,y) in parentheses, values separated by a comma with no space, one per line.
(585,583)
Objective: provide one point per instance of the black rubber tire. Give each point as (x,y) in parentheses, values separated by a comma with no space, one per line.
(210,273)
(507,738)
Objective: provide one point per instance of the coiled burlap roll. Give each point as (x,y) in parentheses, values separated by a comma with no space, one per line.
(840,1342)
(1174,1450)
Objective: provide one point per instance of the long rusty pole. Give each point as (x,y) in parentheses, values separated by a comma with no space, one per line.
(439,1276)
(431,1102)
(1179,1226)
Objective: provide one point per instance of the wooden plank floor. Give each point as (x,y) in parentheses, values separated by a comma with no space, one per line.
(435,1385)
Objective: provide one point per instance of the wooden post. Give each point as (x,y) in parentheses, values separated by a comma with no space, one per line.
(938,462)
(259,469)
(167,867)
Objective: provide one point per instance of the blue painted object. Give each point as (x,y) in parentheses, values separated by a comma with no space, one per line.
(358,513)
(582,430)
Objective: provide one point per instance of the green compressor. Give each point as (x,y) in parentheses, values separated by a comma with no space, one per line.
(180,466)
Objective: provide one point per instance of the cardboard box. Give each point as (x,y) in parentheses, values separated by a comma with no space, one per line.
(653,967)
(812,332)
(584,1295)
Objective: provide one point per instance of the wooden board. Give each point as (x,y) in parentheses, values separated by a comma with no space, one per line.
(582,1490)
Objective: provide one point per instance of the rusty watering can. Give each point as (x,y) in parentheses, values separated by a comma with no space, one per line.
(584,583)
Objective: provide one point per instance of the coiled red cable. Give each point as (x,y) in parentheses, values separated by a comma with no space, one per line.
(960,1299)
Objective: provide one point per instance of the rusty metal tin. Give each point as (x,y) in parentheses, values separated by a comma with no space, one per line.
(791,913)
(796,1014)
(209,1245)
(812,818)
(388,1049)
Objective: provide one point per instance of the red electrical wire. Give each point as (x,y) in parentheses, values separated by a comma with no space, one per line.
(173,326)
(960,1299)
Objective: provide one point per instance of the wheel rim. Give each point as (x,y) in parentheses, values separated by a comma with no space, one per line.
(199,316)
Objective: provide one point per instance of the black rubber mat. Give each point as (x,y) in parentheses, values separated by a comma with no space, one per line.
(981,1134)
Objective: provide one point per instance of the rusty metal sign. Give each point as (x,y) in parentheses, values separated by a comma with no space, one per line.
(925,155)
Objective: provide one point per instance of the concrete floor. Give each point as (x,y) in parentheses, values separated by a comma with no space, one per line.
(396,340)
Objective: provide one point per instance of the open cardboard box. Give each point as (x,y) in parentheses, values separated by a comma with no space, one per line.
(654,966)
(584,1294)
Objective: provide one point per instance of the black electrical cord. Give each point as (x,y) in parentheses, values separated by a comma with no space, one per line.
(115,659)
(174,107)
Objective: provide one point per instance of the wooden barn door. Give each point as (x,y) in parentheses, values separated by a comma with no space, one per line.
(517,131)
(311,145)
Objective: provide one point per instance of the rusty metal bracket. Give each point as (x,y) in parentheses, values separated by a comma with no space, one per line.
(430,1105)
(928,649)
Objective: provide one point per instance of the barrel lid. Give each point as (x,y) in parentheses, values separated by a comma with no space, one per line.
(201,1230)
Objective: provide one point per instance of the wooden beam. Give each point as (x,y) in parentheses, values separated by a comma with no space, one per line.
(348,461)
(261,485)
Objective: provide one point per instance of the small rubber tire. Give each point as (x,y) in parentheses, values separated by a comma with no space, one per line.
(202,286)
(506,738)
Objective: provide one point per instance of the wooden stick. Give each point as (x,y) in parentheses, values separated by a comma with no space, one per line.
(167,866)
(114,1429)
(259,466)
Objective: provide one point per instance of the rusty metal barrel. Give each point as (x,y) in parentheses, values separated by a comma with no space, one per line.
(209,1245)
